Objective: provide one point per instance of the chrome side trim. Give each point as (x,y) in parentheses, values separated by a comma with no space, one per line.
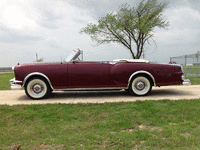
(186,82)
(174,64)
(138,72)
(14,81)
(39,74)
(93,89)
(14,85)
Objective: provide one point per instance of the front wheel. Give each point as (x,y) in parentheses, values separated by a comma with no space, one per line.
(140,86)
(37,88)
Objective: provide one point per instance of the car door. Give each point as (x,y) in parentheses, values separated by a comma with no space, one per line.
(88,75)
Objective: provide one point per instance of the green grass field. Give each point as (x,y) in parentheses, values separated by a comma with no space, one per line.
(194,80)
(135,125)
(192,70)
(4,80)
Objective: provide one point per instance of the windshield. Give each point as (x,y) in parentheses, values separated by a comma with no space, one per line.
(73,55)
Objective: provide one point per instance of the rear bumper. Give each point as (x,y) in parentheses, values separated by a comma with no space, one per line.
(15,84)
(186,82)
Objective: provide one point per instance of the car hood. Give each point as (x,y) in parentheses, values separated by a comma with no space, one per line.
(39,64)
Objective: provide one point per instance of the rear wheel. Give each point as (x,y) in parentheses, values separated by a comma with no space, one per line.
(140,86)
(37,88)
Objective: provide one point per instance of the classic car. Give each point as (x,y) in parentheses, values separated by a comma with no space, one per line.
(134,75)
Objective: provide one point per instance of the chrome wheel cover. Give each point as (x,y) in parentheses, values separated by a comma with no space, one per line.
(141,85)
(37,88)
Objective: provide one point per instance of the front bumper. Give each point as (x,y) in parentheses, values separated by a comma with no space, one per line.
(186,82)
(15,84)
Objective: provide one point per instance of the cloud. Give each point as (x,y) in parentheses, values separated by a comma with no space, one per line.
(184,26)
(13,37)
(51,28)
(14,17)
(47,14)
(23,21)
(15,23)
(96,8)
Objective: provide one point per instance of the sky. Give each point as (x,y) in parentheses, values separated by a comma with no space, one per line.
(51,29)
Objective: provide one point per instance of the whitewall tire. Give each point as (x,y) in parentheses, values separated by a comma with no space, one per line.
(37,88)
(140,86)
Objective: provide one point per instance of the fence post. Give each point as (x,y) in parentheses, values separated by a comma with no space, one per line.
(185,68)
(197,67)
(197,64)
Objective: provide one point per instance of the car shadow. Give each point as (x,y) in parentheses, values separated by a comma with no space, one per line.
(90,94)
(169,93)
(69,95)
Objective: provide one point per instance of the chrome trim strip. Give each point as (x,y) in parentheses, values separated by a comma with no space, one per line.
(174,64)
(85,89)
(186,82)
(177,65)
(142,71)
(14,81)
(40,74)
(14,85)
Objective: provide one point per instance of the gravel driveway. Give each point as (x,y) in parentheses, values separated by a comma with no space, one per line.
(10,97)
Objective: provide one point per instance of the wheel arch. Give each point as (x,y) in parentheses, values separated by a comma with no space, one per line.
(144,73)
(37,74)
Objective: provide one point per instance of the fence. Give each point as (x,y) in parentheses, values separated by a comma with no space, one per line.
(190,63)
(5,69)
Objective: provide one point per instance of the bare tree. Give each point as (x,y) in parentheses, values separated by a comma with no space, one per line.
(129,26)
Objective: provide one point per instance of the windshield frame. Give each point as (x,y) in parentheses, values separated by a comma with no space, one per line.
(73,55)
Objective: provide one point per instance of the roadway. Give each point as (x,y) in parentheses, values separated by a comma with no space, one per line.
(19,97)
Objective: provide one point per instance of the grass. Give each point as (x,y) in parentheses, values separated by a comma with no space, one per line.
(194,80)
(192,69)
(135,125)
(4,80)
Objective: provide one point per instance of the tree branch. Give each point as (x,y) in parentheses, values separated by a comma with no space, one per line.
(117,36)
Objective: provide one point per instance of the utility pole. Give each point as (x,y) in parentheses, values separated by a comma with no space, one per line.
(185,66)
(36,58)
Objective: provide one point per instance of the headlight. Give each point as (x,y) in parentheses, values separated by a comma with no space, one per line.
(13,68)
(182,77)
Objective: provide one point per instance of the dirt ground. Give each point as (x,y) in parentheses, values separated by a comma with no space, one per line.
(17,97)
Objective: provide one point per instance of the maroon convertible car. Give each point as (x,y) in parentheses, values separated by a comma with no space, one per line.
(134,75)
